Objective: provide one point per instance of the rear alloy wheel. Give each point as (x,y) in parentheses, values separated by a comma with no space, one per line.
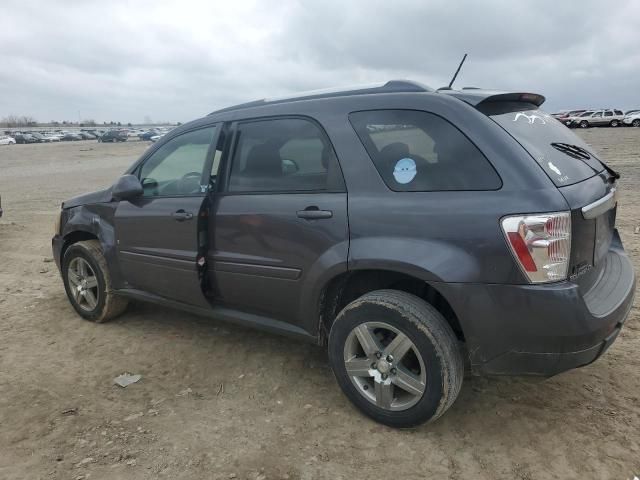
(88,283)
(396,358)
(614,123)
(636,122)
(584,124)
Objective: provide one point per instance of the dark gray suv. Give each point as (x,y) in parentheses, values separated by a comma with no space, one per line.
(411,231)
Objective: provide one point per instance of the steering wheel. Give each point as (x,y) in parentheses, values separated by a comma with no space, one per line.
(190,183)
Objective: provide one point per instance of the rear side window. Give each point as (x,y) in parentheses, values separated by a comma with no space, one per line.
(416,151)
(564,156)
(283,155)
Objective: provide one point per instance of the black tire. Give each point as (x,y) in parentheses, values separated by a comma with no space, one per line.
(109,305)
(614,123)
(432,337)
(584,124)
(636,122)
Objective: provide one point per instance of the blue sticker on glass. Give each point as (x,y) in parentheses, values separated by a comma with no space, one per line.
(405,170)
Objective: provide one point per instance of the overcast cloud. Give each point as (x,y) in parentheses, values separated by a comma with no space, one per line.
(175,61)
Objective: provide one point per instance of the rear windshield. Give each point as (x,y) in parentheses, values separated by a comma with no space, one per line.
(564,156)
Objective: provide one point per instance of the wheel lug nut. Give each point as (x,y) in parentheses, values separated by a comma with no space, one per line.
(393,371)
(378,355)
(389,358)
(374,365)
(365,387)
(384,376)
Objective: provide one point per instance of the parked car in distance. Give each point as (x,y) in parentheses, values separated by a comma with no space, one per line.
(24,138)
(7,140)
(148,134)
(157,137)
(598,118)
(564,117)
(71,137)
(113,136)
(632,119)
(38,136)
(87,136)
(322,217)
(629,112)
(51,137)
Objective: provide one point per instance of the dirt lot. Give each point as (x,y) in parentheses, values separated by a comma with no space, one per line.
(220,401)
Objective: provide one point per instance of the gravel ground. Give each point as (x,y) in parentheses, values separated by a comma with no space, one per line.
(221,401)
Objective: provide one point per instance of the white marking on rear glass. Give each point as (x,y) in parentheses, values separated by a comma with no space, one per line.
(554,168)
(530,118)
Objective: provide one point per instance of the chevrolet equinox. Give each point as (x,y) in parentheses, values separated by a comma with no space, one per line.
(413,232)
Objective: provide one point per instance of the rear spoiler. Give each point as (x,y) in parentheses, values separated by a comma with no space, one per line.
(477,97)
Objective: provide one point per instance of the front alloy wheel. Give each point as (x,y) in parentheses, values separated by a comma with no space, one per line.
(88,283)
(83,284)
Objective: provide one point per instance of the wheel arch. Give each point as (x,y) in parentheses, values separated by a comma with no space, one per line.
(75,236)
(345,287)
(94,221)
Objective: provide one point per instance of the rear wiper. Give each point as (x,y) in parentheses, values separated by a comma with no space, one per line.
(579,153)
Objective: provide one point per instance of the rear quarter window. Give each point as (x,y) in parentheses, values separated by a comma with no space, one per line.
(416,151)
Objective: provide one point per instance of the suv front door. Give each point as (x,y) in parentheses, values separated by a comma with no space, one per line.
(161,234)
(280,219)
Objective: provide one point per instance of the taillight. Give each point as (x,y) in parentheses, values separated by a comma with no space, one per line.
(541,243)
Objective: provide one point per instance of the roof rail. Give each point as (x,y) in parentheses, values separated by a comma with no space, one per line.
(392,86)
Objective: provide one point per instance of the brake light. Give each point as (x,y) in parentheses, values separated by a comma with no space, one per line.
(541,243)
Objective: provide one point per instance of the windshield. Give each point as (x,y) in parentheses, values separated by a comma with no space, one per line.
(564,156)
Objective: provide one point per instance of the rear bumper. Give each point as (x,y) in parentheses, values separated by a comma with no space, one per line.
(543,329)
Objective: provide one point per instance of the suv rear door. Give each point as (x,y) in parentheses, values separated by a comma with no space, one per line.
(159,234)
(280,218)
(597,119)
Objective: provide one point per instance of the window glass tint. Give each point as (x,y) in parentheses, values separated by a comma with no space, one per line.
(597,115)
(176,167)
(417,151)
(564,156)
(608,113)
(618,112)
(283,155)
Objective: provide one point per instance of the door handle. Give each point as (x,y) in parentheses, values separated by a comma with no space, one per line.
(314,213)
(181,215)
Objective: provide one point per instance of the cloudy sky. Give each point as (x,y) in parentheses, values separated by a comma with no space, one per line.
(175,61)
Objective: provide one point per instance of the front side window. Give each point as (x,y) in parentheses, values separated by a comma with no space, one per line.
(176,167)
(417,151)
(597,115)
(283,155)
(608,113)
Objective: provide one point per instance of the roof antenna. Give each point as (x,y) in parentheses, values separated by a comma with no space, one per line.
(457,71)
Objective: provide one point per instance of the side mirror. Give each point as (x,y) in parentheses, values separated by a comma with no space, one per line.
(126,188)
